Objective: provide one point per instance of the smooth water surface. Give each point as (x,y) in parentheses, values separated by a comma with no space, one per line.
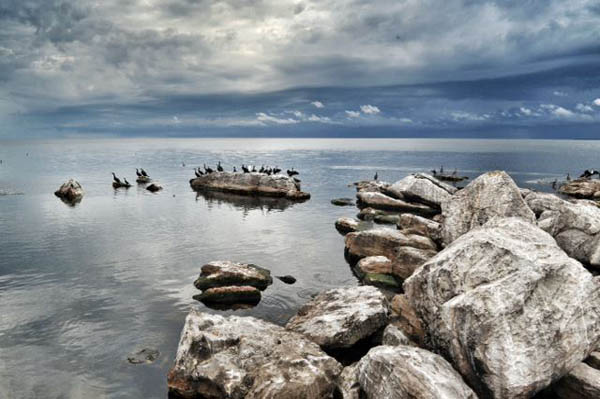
(82,287)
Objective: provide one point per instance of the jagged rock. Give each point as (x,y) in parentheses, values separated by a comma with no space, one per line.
(243,357)
(374,264)
(346,225)
(369,213)
(146,355)
(384,202)
(413,224)
(406,372)
(348,386)
(341,317)
(227,273)
(154,187)
(230,295)
(508,307)
(394,336)
(404,317)
(408,259)
(251,184)
(542,202)
(583,382)
(70,191)
(581,188)
(493,194)
(371,186)
(343,201)
(383,242)
(422,188)
(594,360)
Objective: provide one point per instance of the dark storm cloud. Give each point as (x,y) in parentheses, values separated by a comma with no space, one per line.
(201,65)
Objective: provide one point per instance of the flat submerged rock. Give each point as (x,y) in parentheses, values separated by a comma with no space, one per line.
(251,184)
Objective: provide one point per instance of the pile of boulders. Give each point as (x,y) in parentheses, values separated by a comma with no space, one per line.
(231,283)
(501,306)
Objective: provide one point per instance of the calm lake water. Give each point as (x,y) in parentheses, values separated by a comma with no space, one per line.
(82,287)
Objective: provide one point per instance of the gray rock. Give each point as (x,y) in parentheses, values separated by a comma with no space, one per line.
(394,336)
(144,356)
(508,307)
(374,264)
(368,214)
(227,273)
(287,279)
(581,188)
(404,316)
(243,357)
(408,259)
(70,191)
(340,317)
(387,219)
(422,188)
(348,386)
(371,186)
(383,242)
(413,224)
(346,225)
(251,184)
(143,180)
(154,187)
(406,372)
(593,360)
(343,201)
(583,382)
(493,194)
(230,295)
(542,202)
(384,202)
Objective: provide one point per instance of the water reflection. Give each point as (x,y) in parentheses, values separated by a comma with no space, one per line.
(245,202)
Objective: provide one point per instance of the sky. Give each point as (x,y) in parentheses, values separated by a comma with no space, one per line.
(301,68)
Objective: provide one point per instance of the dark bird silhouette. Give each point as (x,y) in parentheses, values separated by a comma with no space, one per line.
(234,170)
(208,170)
(276,170)
(376,176)
(297,180)
(554,183)
(126,182)
(198,172)
(253,168)
(568,177)
(434,172)
(589,173)
(115,178)
(143,172)
(219,167)
(292,172)
(245,169)
(262,169)
(137,172)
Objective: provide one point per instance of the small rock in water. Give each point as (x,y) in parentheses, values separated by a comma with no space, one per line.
(230,295)
(287,279)
(342,201)
(154,187)
(146,355)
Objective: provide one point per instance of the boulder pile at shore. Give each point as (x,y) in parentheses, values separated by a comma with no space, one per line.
(495,299)
(258,184)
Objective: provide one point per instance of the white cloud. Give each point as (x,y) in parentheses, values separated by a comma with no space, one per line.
(262,117)
(318,104)
(526,111)
(353,114)
(584,108)
(563,112)
(370,109)
(405,120)
(597,102)
(560,94)
(315,118)
(466,116)
(298,114)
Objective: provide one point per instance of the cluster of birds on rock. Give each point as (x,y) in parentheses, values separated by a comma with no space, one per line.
(141,173)
(267,170)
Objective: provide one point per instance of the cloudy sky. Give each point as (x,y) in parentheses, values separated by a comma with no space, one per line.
(511,68)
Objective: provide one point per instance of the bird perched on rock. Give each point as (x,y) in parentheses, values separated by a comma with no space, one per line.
(292,172)
(219,167)
(115,178)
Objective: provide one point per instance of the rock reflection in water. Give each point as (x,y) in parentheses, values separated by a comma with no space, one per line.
(245,202)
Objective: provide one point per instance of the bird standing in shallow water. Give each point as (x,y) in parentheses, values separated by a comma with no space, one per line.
(376,176)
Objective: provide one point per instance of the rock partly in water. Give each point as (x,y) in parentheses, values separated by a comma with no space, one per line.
(143,180)
(383,242)
(493,194)
(230,295)
(346,225)
(343,201)
(508,307)
(287,279)
(374,264)
(408,259)
(341,317)
(227,273)
(422,188)
(581,188)
(583,382)
(154,187)
(413,224)
(251,184)
(406,372)
(70,191)
(243,357)
(369,214)
(385,202)
(120,184)
(146,355)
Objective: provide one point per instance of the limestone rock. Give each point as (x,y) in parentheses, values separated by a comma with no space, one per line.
(251,184)
(348,386)
(384,202)
(394,336)
(493,194)
(508,307)
(383,242)
(70,191)
(413,224)
(343,201)
(243,357)
(408,259)
(341,317)
(346,225)
(371,186)
(404,317)
(230,295)
(227,273)
(374,264)
(581,188)
(406,372)
(583,382)
(422,188)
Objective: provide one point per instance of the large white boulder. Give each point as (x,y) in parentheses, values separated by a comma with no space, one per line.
(423,188)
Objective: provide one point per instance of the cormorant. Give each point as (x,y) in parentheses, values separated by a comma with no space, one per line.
(253,168)
(234,170)
(245,169)
(126,182)
(292,172)
(137,172)
(376,176)
(568,177)
(442,169)
(207,170)
(276,170)
(115,178)
(434,172)
(143,172)
(589,173)
(262,169)
(219,167)
(554,183)
(197,172)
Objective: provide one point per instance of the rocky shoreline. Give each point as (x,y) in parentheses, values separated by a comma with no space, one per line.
(484,292)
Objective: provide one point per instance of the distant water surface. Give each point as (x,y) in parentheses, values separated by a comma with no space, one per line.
(82,287)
